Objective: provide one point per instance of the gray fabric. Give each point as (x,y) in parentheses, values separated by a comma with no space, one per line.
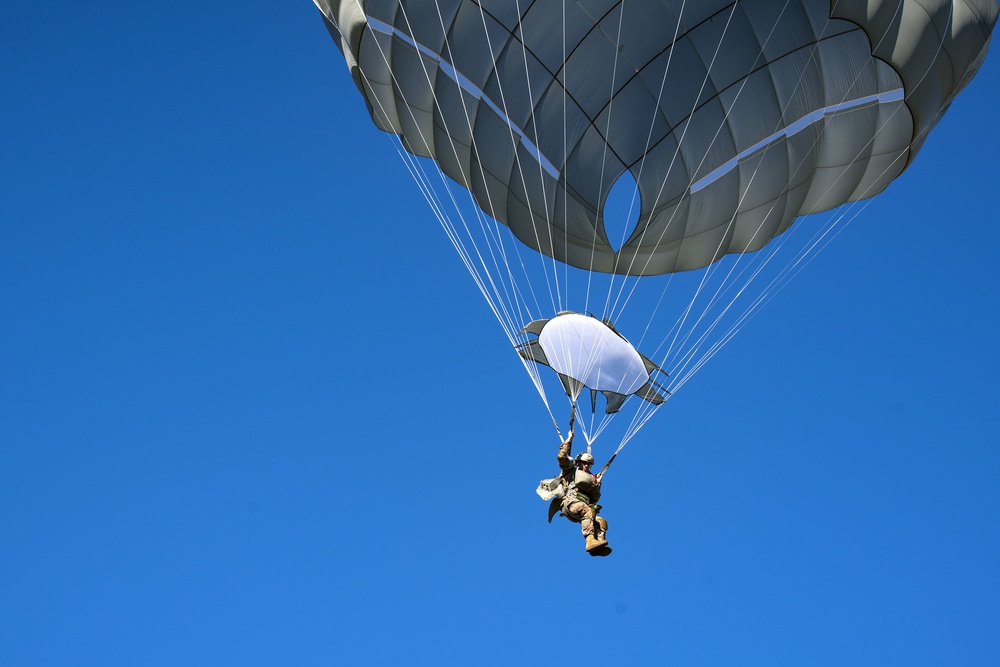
(647,392)
(583,482)
(540,139)
(532,351)
(534,327)
(614,402)
(571,386)
(554,507)
(551,488)
(650,366)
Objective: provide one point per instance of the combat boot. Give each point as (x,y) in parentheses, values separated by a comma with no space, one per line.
(601,551)
(600,528)
(593,543)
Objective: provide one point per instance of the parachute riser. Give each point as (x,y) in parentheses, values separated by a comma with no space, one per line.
(572,421)
(607,465)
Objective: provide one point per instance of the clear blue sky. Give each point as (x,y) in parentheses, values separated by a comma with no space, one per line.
(228,435)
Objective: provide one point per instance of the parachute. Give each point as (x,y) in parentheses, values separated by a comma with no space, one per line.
(722,122)
(588,353)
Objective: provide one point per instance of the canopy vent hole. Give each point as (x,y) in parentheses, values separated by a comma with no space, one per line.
(621,210)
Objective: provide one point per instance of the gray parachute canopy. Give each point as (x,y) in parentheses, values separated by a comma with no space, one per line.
(587,352)
(733,118)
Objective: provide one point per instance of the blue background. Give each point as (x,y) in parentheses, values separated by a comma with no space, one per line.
(230,434)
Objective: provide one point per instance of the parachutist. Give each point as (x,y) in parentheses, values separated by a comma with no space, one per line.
(574,493)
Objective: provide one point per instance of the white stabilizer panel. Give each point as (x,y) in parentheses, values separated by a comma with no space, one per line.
(587,350)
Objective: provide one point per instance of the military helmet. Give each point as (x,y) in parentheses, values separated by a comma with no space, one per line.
(584,457)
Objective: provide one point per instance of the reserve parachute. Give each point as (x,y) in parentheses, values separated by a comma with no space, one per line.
(637,165)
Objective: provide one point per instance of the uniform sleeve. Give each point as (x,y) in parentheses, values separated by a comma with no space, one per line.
(564,458)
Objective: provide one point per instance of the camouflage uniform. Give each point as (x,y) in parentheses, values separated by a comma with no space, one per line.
(583,490)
